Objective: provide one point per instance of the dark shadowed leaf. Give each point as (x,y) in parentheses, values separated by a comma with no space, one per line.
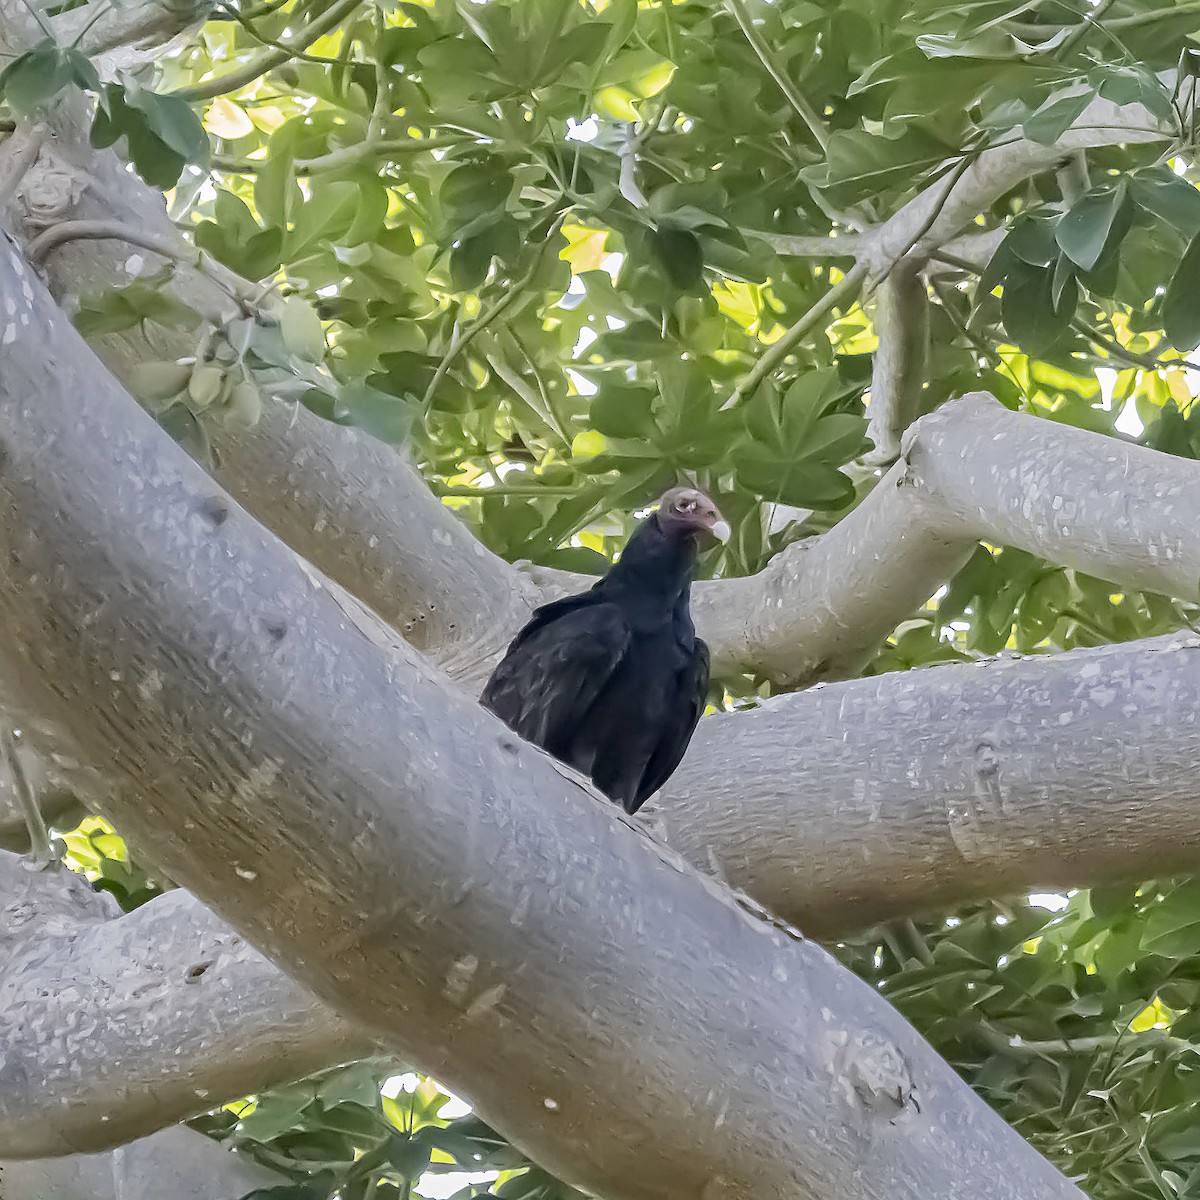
(1181,304)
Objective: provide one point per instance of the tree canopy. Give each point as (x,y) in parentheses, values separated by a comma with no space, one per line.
(563,256)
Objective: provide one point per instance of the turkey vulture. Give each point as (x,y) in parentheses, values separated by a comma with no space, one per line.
(612,681)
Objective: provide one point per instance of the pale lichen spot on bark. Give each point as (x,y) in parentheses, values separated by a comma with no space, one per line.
(485,1001)
(458,978)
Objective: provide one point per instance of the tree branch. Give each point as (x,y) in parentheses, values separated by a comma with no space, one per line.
(85,1013)
(898,369)
(99,27)
(860,802)
(268,60)
(971,470)
(174,1164)
(288,764)
(959,783)
(992,174)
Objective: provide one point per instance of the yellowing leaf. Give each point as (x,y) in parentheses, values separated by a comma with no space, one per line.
(1146,1019)
(654,80)
(617,103)
(267,117)
(737,300)
(227,120)
(584,251)
(1177,386)
(588,444)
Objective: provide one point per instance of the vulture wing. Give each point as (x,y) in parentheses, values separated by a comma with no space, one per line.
(555,669)
(679,725)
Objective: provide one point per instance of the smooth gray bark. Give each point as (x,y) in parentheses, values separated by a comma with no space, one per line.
(858,802)
(174,1164)
(836,808)
(282,766)
(113,1028)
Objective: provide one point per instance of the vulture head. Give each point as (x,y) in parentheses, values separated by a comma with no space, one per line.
(684,510)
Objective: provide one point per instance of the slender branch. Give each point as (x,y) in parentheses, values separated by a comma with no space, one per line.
(845,290)
(93,230)
(268,60)
(177,251)
(1091,20)
(796,246)
(804,110)
(1114,349)
(514,296)
(995,171)
(898,370)
(340,159)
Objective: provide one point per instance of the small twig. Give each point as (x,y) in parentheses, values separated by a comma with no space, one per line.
(270,59)
(95,230)
(347,156)
(40,853)
(798,246)
(513,295)
(1090,21)
(1115,350)
(88,230)
(804,110)
(844,290)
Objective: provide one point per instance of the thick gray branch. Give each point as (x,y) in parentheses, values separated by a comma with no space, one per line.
(111,1028)
(857,802)
(174,1164)
(837,807)
(390,842)
(971,470)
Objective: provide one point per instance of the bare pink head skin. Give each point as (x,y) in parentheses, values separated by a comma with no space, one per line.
(686,509)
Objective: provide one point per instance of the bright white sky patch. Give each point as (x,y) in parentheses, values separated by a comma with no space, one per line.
(583,131)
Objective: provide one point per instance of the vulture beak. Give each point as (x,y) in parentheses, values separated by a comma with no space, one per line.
(720,529)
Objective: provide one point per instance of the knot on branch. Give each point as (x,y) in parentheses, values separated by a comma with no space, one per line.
(50,190)
(878,1077)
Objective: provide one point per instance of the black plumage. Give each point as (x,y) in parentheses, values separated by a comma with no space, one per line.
(612,681)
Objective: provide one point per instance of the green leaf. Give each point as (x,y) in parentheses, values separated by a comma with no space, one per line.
(162,134)
(1083,233)
(1181,303)
(1032,239)
(34,78)
(621,410)
(1173,926)
(1030,315)
(679,252)
(1055,117)
(388,418)
(1164,194)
